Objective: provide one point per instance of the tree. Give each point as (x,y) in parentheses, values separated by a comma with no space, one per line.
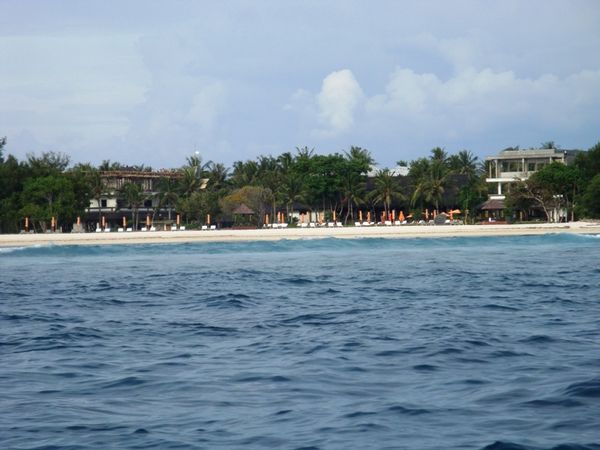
(464,163)
(551,188)
(97,189)
(256,198)
(167,194)
(430,178)
(131,194)
(549,145)
(2,144)
(561,181)
(591,197)
(386,189)
(49,196)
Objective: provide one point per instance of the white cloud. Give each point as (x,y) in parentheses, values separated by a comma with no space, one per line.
(478,98)
(337,102)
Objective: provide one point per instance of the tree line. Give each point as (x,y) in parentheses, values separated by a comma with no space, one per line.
(47,186)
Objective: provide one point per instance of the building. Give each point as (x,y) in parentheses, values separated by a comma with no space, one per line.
(112,208)
(512,165)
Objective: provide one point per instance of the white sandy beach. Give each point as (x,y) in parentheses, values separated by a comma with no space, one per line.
(405,231)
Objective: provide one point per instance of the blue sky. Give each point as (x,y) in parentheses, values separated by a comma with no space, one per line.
(153,81)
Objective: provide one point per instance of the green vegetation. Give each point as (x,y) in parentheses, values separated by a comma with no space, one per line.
(574,188)
(47,186)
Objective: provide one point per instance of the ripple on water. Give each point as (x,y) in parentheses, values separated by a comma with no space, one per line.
(328,344)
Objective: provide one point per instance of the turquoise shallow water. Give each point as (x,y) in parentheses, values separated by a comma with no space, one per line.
(457,343)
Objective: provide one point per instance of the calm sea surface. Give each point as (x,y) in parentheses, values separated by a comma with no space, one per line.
(454,343)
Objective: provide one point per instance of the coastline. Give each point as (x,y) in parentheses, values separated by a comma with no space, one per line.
(228,235)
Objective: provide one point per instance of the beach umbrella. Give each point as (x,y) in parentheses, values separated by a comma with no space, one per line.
(401,217)
(393,215)
(334,215)
(426,213)
(208,219)
(26,223)
(124,222)
(78,220)
(360,215)
(147,220)
(178,219)
(369,216)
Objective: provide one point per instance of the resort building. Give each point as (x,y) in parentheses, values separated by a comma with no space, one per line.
(111,208)
(512,165)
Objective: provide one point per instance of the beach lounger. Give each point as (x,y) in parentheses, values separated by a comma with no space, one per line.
(388,223)
(339,224)
(120,230)
(204,227)
(144,229)
(213,227)
(303,225)
(107,230)
(284,225)
(357,224)
(98,230)
(397,222)
(312,225)
(129,229)
(181,228)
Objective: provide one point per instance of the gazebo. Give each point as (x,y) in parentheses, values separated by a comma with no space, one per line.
(244,211)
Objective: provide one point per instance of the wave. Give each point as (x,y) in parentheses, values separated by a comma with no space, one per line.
(499,445)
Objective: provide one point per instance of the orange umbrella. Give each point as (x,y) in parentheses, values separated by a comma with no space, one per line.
(401,217)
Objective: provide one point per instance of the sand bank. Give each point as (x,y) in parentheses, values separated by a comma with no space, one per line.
(405,231)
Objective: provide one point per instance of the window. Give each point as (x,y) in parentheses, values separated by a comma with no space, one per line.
(531,167)
(147,203)
(103,203)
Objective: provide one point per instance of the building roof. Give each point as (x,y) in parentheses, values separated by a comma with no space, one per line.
(492,204)
(395,172)
(243,209)
(512,153)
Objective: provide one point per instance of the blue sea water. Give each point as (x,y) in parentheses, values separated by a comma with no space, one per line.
(454,343)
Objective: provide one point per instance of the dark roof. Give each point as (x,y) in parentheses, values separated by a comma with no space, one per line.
(492,204)
(243,209)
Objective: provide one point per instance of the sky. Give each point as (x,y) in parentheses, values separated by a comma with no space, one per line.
(152,82)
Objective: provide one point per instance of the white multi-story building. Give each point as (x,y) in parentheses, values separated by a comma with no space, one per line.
(512,165)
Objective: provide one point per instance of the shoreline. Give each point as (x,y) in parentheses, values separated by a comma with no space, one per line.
(228,235)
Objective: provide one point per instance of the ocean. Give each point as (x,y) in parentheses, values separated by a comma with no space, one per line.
(420,344)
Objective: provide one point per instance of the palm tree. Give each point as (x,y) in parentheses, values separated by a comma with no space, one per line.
(244,173)
(97,189)
(386,189)
(361,157)
(167,194)
(132,195)
(353,190)
(464,163)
